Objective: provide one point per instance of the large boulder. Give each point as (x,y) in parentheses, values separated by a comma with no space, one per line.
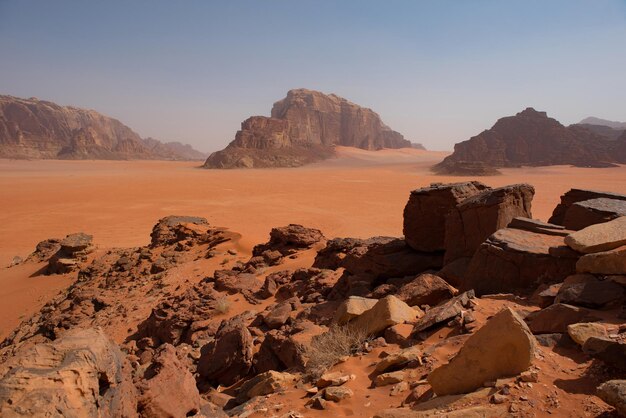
(425,289)
(168,388)
(290,238)
(425,213)
(613,392)
(599,237)
(475,219)
(589,291)
(387,312)
(503,347)
(606,262)
(171,229)
(229,357)
(578,195)
(352,307)
(556,318)
(513,259)
(445,311)
(611,352)
(80,374)
(594,211)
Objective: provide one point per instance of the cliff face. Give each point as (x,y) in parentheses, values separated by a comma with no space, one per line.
(303,128)
(532,138)
(32,128)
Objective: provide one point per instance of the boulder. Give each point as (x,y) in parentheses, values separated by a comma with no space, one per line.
(352,307)
(289,239)
(229,357)
(472,221)
(332,379)
(611,352)
(583,331)
(386,312)
(397,360)
(425,213)
(503,347)
(337,393)
(80,374)
(445,311)
(281,313)
(589,291)
(594,211)
(606,262)
(613,392)
(599,237)
(425,289)
(168,388)
(578,195)
(390,378)
(513,259)
(265,384)
(556,318)
(232,281)
(172,229)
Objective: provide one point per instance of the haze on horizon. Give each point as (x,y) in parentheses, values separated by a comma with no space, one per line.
(436,71)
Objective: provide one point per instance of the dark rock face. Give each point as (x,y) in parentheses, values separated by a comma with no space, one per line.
(532,138)
(516,259)
(425,213)
(303,128)
(555,318)
(288,239)
(32,128)
(578,195)
(474,220)
(425,289)
(229,357)
(593,211)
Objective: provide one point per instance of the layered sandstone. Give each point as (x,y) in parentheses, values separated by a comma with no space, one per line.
(32,128)
(532,138)
(303,128)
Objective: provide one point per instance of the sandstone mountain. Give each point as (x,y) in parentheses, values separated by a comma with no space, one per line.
(303,128)
(532,138)
(603,122)
(602,130)
(32,128)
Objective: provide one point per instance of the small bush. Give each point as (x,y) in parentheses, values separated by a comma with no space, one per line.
(328,348)
(222,305)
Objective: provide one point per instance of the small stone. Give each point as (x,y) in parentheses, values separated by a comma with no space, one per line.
(390,378)
(337,393)
(498,398)
(529,376)
(332,379)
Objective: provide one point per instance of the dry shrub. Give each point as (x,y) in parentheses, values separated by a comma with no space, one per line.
(328,348)
(222,305)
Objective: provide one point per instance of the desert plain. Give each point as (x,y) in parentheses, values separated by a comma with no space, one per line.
(357,194)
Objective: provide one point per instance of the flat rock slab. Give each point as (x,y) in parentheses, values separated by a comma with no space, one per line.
(444,312)
(606,262)
(599,237)
(535,225)
(387,312)
(590,292)
(594,211)
(503,347)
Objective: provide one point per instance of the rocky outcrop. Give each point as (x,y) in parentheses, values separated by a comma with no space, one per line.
(174,150)
(80,374)
(32,128)
(303,128)
(578,195)
(425,213)
(532,138)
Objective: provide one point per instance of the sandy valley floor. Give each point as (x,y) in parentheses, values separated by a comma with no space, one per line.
(360,194)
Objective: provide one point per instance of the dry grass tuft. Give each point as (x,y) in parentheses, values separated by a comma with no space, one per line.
(328,348)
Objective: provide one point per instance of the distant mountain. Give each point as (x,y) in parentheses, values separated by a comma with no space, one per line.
(34,129)
(602,130)
(603,122)
(175,150)
(531,138)
(416,145)
(304,128)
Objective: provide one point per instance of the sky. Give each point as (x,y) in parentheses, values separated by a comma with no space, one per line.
(436,71)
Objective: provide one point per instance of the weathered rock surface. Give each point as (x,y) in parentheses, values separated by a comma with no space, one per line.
(425,213)
(613,392)
(73,250)
(593,211)
(611,352)
(534,225)
(445,311)
(513,259)
(556,318)
(532,138)
(387,312)
(606,262)
(352,307)
(426,289)
(399,359)
(265,384)
(599,237)
(476,218)
(583,331)
(503,347)
(80,374)
(303,128)
(168,388)
(578,195)
(289,239)
(589,291)
(32,128)
(229,357)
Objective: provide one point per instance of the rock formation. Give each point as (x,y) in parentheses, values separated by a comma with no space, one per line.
(303,128)
(531,138)
(34,129)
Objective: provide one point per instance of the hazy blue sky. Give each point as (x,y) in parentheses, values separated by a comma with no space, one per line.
(437,71)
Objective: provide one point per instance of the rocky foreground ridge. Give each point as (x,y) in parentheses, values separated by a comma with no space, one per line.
(303,128)
(531,138)
(478,311)
(34,129)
